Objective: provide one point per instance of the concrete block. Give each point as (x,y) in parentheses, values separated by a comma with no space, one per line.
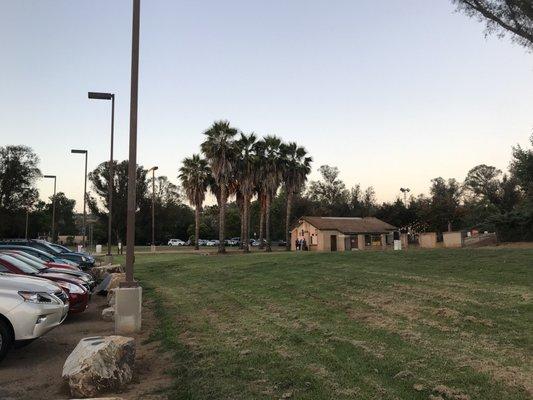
(128,304)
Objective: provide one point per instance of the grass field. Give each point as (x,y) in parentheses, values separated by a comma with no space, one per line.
(450,324)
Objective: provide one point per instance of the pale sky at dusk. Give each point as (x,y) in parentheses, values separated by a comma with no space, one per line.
(393,93)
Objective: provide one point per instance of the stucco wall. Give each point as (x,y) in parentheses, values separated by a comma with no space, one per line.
(452,239)
(427,240)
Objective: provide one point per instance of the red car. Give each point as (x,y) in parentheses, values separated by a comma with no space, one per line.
(78,295)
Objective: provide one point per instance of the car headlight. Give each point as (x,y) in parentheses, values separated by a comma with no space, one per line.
(71,287)
(37,297)
(84,259)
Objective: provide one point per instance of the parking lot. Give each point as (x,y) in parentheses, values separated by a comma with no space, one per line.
(34,371)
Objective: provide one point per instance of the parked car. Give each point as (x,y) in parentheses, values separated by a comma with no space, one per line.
(282,243)
(255,243)
(212,243)
(77,290)
(46,257)
(61,248)
(202,242)
(50,267)
(29,307)
(85,261)
(176,242)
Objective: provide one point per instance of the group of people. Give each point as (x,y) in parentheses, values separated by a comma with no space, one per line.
(301,244)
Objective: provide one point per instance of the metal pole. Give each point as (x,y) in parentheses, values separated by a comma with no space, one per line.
(132,161)
(85,200)
(153,208)
(54,213)
(27,218)
(111,178)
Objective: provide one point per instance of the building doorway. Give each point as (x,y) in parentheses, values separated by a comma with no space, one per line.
(333,242)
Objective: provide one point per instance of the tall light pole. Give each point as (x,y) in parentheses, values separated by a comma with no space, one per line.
(53,207)
(405,191)
(153,169)
(27,221)
(108,96)
(84,191)
(132,159)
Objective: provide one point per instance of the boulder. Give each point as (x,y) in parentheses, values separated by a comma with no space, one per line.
(116,278)
(108,314)
(111,281)
(100,272)
(99,364)
(111,296)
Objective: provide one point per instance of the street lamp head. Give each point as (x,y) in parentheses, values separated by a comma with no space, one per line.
(49,176)
(78,151)
(153,169)
(101,96)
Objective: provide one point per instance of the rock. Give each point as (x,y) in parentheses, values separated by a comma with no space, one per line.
(116,278)
(108,314)
(111,296)
(102,398)
(245,352)
(99,364)
(431,397)
(286,395)
(111,281)
(100,272)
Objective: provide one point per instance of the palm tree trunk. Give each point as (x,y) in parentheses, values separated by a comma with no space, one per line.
(243,224)
(288,221)
(267,224)
(261,224)
(196,227)
(222,220)
(245,237)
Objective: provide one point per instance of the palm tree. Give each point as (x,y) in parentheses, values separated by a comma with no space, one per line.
(194,175)
(245,176)
(270,168)
(296,166)
(219,149)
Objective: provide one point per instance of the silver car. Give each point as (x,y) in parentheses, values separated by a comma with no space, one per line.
(29,307)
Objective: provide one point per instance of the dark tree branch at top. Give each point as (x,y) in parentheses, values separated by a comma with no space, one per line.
(502,16)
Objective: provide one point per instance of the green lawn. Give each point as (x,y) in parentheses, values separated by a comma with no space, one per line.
(363,325)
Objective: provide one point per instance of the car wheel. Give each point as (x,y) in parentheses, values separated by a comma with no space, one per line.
(5,339)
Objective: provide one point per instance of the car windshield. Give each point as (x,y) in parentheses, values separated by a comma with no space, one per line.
(26,268)
(61,249)
(38,264)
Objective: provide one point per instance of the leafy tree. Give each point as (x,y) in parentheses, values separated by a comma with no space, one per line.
(330,191)
(522,168)
(65,223)
(445,202)
(503,16)
(195,175)
(484,181)
(99,179)
(19,169)
(219,149)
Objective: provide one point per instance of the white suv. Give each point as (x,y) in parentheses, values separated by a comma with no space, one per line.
(176,242)
(29,307)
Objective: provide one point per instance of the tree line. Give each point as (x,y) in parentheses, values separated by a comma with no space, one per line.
(261,189)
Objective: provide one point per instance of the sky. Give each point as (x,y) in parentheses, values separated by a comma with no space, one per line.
(393,93)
